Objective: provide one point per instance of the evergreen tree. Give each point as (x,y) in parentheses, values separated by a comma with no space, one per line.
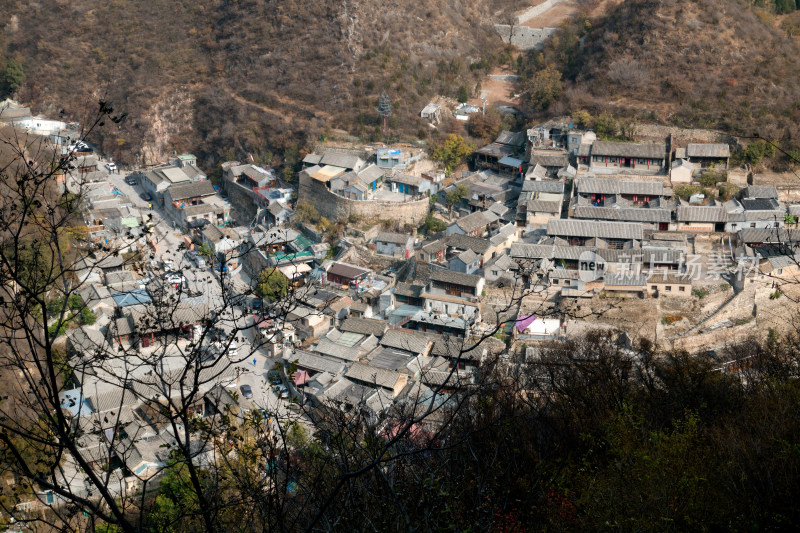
(13,77)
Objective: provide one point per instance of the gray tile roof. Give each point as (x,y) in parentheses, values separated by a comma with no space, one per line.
(190,189)
(564,273)
(511,138)
(626,280)
(451,347)
(541,206)
(340,160)
(503,234)
(621,149)
(536,172)
(435,246)
(373,375)
(365,326)
(405,178)
(667,277)
(276,208)
(759,204)
(550,160)
(496,150)
(390,358)
(584,150)
(499,209)
(316,362)
(388,236)
(701,213)
(604,230)
(632,214)
(761,191)
(448,276)
(408,289)
(345,353)
(312,159)
(472,222)
(618,186)
(464,242)
(346,271)
(758,235)
(783,261)
(661,256)
(776,215)
(467,257)
(404,340)
(719,150)
(551,186)
(371,173)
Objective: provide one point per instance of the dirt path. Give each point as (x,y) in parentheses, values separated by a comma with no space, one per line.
(553,16)
(265,109)
(563,11)
(499,89)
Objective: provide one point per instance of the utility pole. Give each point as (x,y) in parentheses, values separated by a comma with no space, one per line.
(384,110)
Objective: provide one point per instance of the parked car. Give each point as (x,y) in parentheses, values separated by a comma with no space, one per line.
(274,377)
(112,167)
(233,349)
(282,391)
(168,264)
(146,196)
(198,259)
(174,278)
(247,392)
(130,180)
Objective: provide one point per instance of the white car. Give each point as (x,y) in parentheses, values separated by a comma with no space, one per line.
(233,349)
(282,391)
(175,279)
(112,167)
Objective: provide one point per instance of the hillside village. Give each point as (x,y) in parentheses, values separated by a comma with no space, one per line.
(555,233)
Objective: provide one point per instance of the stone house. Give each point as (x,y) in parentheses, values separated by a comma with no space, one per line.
(466,262)
(191,201)
(642,157)
(707,155)
(394,244)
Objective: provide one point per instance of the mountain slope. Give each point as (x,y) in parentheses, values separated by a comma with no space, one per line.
(247,75)
(710,63)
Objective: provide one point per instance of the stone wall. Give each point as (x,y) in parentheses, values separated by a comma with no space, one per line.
(335,207)
(789,194)
(524,37)
(713,339)
(535,11)
(244,210)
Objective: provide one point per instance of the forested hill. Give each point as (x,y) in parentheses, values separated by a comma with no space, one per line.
(725,64)
(241,76)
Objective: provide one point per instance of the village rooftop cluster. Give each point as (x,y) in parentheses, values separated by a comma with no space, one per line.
(389,316)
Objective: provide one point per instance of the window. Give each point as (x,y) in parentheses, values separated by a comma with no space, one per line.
(681,289)
(668,288)
(780,271)
(653,288)
(555,282)
(752,224)
(495,273)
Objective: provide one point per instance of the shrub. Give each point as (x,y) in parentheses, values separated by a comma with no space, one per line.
(711,177)
(700,293)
